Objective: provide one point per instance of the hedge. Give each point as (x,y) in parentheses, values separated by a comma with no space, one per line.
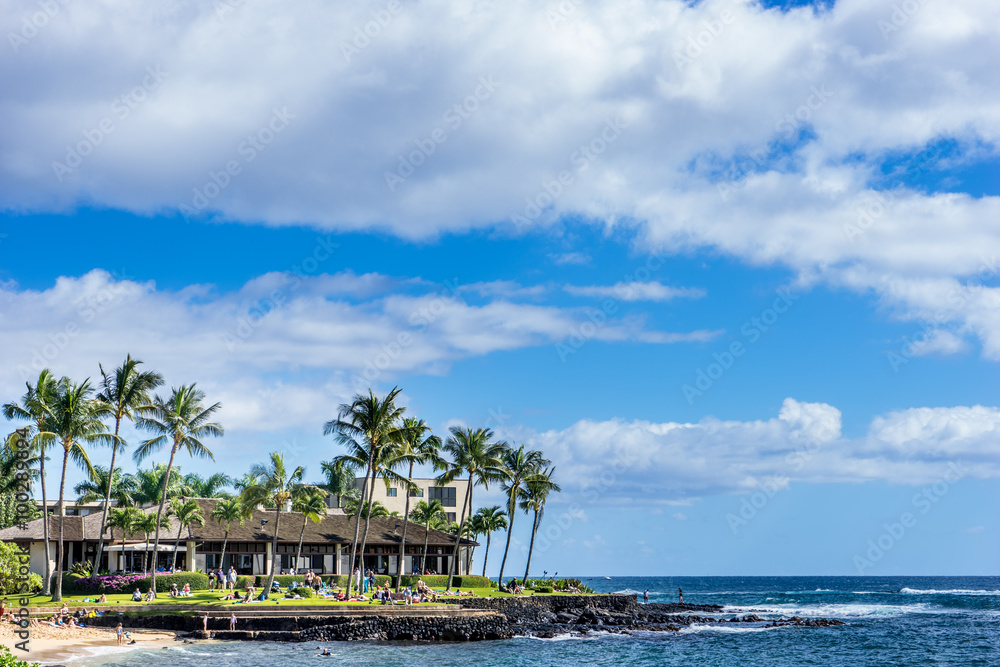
(304,591)
(543,589)
(198,581)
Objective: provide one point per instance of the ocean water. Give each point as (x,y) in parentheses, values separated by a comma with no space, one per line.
(889,621)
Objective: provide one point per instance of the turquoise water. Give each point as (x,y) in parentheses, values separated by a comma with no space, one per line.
(890,621)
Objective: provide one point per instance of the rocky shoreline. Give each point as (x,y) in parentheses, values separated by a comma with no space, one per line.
(467,619)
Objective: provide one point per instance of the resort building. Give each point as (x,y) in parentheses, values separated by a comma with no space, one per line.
(451,495)
(326,545)
(72,508)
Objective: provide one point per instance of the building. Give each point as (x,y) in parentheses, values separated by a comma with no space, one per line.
(451,495)
(326,545)
(74,509)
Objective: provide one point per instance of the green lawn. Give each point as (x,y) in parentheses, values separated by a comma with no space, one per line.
(207,598)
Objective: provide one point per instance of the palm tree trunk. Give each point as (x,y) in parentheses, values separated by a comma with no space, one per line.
(222,558)
(486,554)
(177,545)
(95,565)
(427,532)
(159,511)
(357,527)
(57,595)
(511,511)
(274,551)
(145,558)
(45,515)
(458,537)
(298,552)
(368,520)
(531,546)
(402,541)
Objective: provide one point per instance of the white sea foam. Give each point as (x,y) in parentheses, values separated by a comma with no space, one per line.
(723,629)
(950,591)
(834,610)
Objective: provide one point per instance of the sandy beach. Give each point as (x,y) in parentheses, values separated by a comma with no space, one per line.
(52,645)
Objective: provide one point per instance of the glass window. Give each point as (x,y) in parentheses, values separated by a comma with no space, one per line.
(451,517)
(391,493)
(417,493)
(445,494)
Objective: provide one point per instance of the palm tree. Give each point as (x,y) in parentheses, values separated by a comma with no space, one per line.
(146,524)
(518,464)
(273,487)
(427,513)
(149,484)
(365,427)
(311,502)
(486,521)
(196,486)
(339,479)
(472,452)
(227,511)
(179,420)
(125,519)
(121,488)
(123,392)
(75,419)
(374,509)
(17,476)
(417,446)
(537,488)
(186,513)
(34,408)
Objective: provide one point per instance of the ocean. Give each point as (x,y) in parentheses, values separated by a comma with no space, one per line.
(889,621)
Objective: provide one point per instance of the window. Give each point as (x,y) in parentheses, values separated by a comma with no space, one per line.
(417,493)
(391,492)
(451,517)
(445,494)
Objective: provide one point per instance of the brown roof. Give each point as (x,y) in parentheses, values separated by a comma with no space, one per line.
(337,528)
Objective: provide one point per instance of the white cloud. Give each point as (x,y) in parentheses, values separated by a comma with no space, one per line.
(566,258)
(680,516)
(636,291)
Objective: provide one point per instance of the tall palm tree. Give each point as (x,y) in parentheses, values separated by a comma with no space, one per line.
(417,447)
(311,502)
(146,524)
(75,419)
(227,511)
(427,513)
(374,509)
(196,486)
(518,465)
(121,488)
(34,408)
(339,479)
(181,421)
(186,513)
(124,519)
(537,488)
(473,452)
(123,392)
(365,426)
(150,483)
(488,520)
(273,487)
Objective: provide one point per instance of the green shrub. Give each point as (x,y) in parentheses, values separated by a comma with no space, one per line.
(8,659)
(198,581)
(304,591)
(441,580)
(543,589)
(81,567)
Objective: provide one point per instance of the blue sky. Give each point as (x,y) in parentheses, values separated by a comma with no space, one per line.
(747,305)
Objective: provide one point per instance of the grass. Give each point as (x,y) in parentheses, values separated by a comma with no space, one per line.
(211,599)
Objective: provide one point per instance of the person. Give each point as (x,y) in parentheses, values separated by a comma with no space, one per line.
(136,596)
(151,594)
(187,590)
(325,652)
(680,595)
(232,621)
(232,577)
(3,607)
(173,590)
(645,597)
(120,632)
(211,581)
(103,599)
(204,622)
(357,578)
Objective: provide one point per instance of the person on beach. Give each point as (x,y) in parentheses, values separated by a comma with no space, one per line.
(120,632)
(357,578)
(232,621)
(204,622)
(645,597)
(680,595)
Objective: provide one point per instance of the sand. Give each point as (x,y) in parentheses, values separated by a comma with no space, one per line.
(52,645)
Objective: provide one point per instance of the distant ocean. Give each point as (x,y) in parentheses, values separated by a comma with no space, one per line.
(890,621)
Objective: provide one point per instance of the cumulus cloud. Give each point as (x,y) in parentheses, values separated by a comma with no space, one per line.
(636,291)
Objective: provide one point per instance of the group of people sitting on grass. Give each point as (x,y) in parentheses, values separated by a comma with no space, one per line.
(182,593)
